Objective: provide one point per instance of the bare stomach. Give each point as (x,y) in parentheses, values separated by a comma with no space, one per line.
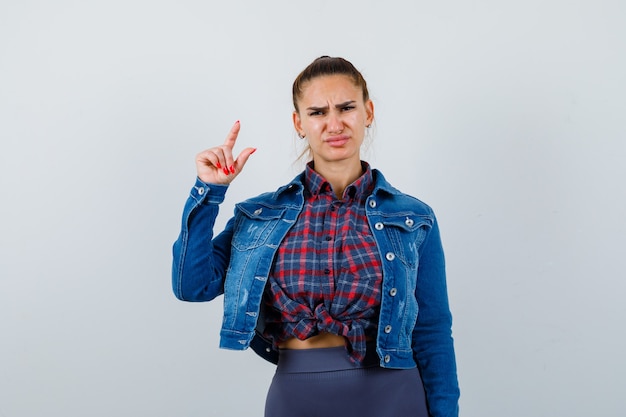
(322,340)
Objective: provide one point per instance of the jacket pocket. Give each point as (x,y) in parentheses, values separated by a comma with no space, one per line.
(405,233)
(253,224)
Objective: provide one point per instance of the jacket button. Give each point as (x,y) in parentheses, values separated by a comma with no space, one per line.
(390,256)
(387,358)
(200,191)
(379,226)
(268,350)
(388,328)
(258,211)
(393,292)
(372,203)
(409,222)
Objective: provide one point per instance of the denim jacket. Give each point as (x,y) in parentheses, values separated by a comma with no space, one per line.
(415,321)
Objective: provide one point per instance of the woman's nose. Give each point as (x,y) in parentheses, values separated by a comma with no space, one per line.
(335,123)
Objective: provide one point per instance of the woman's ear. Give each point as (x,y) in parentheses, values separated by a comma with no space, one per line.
(297,123)
(369,111)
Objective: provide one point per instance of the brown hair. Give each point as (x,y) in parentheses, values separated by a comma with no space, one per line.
(326,65)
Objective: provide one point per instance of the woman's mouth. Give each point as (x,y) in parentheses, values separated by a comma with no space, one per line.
(338,140)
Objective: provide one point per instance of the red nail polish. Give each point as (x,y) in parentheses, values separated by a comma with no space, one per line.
(218,165)
(226,171)
(232,169)
(253,151)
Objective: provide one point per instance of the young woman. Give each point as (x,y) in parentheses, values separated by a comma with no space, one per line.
(337,277)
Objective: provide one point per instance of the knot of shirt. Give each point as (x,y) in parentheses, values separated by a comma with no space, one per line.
(320,320)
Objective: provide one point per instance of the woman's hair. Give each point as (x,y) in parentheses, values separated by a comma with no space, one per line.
(326,65)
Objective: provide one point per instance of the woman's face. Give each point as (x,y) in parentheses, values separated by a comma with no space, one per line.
(333,117)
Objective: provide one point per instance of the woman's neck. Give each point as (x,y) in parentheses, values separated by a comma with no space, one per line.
(339,174)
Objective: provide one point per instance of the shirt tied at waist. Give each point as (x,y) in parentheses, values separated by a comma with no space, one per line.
(309,323)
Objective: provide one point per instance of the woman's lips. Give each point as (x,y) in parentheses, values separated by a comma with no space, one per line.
(338,140)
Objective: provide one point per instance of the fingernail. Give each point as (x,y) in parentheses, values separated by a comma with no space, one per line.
(253,151)
(218,165)
(226,171)
(232,169)
(237,122)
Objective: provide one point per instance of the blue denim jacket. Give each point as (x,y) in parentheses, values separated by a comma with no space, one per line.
(415,320)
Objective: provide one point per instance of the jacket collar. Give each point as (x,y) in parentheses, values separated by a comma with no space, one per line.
(380,185)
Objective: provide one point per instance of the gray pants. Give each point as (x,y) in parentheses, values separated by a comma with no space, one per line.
(323,382)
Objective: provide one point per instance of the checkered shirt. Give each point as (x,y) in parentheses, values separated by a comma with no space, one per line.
(327,274)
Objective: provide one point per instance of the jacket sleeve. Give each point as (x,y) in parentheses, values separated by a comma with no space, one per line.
(432,336)
(199,261)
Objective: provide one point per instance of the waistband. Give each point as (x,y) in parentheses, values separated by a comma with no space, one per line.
(323,360)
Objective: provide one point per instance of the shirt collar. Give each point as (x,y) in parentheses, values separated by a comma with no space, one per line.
(362,187)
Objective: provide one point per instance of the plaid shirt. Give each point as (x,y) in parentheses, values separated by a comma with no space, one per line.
(327,274)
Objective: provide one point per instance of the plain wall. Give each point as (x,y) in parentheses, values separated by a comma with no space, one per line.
(506,117)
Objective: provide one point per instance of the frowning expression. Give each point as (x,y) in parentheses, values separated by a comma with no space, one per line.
(333,117)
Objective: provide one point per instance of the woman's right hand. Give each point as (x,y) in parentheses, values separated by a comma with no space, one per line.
(217,165)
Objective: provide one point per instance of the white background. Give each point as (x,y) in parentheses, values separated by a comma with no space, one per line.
(506,117)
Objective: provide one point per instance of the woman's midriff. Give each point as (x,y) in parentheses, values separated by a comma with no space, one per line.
(322,340)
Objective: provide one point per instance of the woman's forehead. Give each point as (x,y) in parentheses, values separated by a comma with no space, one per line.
(330,86)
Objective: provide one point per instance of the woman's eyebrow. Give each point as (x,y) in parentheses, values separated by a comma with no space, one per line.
(338,106)
(314,108)
(347,103)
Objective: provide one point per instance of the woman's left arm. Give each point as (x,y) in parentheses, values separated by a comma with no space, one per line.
(433,346)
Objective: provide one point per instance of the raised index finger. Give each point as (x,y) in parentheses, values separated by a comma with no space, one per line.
(231,138)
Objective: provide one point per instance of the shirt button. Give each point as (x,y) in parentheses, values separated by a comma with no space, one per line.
(327,271)
(258,211)
(388,328)
(329,238)
(390,256)
(409,222)
(379,226)
(372,203)
(387,358)
(393,292)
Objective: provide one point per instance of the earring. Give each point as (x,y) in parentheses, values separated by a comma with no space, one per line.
(368,126)
(301,136)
